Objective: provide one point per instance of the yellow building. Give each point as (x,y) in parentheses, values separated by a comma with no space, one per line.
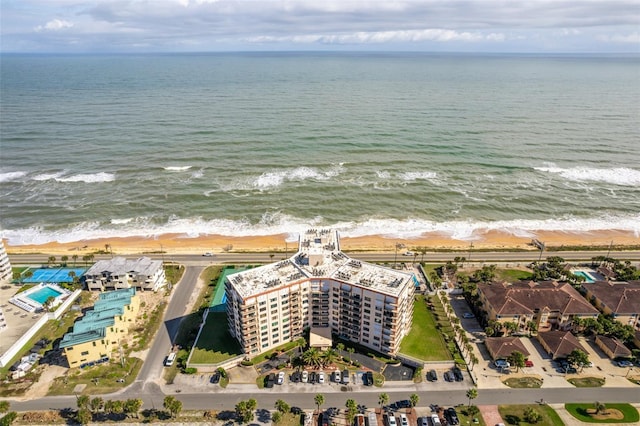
(98,334)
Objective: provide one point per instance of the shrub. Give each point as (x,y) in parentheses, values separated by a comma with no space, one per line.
(190,370)
(532,416)
(246,363)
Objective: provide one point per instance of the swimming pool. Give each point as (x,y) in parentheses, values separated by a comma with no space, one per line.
(43,294)
(587,278)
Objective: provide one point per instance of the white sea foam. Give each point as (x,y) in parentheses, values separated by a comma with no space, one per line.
(10,176)
(48,176)
(177,168)
(276,178)
(618,176)
(413,176)
(88,178)
(383,174)
(277,223)
(197,174)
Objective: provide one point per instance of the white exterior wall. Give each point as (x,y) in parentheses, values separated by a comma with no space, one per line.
(5,266)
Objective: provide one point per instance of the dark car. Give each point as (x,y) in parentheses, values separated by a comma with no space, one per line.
(452,416)
(448,376)
(215,378)
(457,374)
(295,377)
(404,403)
(368,378)
(432,376)
(269,380)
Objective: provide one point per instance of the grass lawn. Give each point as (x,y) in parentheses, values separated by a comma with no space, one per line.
(424,341)
(173,273)
(215,343)
(523,382)
(587,382)
(511,275)
(100,379)
(579,411)
(514,414)
(466,419)
(285,347)
(290,419)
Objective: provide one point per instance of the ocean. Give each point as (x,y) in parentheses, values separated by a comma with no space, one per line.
(394,144)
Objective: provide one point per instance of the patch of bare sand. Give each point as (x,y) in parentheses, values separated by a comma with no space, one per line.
(41,387)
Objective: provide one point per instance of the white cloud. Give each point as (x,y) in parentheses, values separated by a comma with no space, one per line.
(621,38)
(54,25)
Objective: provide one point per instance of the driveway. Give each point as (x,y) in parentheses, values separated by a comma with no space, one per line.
(490,414)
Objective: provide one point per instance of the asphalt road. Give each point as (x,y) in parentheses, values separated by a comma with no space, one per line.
(266,400)
(231,258)
(153,365)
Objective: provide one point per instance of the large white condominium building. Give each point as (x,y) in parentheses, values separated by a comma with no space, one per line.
(118,273)
(5,266)
(320,287)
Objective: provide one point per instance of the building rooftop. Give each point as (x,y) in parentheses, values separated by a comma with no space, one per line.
(502,347)
(560,343)
(617,348)
(527,297)
(621,297)
(319,256)
(122,266)
(72,339)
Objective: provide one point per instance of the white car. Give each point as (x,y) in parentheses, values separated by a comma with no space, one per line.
(321,377)
(435,420)
(336,377)
(408,253)
(403,420)
(208,254)
(501,363)
(305,376)
(392,420)
(280,378)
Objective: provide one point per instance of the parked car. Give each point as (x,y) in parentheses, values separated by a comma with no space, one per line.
(305,376)
(295,377)
(422,421)
(468,315)
(321,377)
(215,378)
(452,416)
(403,420)
(457,374)
(432,376)
(625,363)
(337,377)
(391,420)
(369,378)
(528,363)
(501,363)
(435,420)
(448,376)
(313,377)
(270,380)
(404,403)
(345,377)
(280,378)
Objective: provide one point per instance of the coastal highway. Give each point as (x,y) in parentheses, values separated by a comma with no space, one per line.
(264,257)
(227,399)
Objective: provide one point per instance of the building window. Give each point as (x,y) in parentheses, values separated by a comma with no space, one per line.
(84,353)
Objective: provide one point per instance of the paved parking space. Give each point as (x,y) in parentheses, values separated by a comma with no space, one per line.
(398,372)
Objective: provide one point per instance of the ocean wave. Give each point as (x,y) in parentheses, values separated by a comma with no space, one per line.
(279,224)
(275,178)
(177,168)
(618,176)
(48,176)
(413,176)
(88,178)
(11,176)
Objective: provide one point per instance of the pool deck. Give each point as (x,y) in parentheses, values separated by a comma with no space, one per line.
(218,303)
(17,320)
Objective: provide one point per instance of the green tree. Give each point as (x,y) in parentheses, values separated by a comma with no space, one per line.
(383,399)
(282,406)
(5,406)
(517,359)
(414,398)
(276,417)
(83,402)
(83,416)
(311,357)
(245,410)
(472,393)
(117,407)
(578,358)
(51,260)
(531,415)
(8,418)
(172,405)
(340,347)
(75,259)
(600,407)
(96,404)
(352,409)
(318,400)
(132,406)
(329,356)
(64,260)
(351,352)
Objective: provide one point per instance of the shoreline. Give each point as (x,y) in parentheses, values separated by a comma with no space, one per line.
(182,244)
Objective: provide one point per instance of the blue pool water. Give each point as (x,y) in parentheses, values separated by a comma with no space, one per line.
(588,278)
(43,294)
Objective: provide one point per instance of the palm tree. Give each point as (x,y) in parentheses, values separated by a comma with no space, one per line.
(319,400)
(311,357)
(474,360)
(472,393)
(329,356)
(51,260)
(75,259)
(64,260)
(351,351)
(72,275)
(383,399)
(340,347)
(414,398)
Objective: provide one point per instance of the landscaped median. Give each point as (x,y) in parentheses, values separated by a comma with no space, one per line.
(604,412)
(530,415)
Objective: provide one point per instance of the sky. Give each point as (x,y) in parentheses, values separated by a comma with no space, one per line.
(526,26)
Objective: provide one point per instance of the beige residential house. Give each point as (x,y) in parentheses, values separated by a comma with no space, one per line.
(618,299)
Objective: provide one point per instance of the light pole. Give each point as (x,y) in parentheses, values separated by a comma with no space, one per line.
(541,250)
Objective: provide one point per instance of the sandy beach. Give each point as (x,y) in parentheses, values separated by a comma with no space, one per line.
(181,244)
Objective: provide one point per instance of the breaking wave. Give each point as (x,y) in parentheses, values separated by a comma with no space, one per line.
(618,176)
